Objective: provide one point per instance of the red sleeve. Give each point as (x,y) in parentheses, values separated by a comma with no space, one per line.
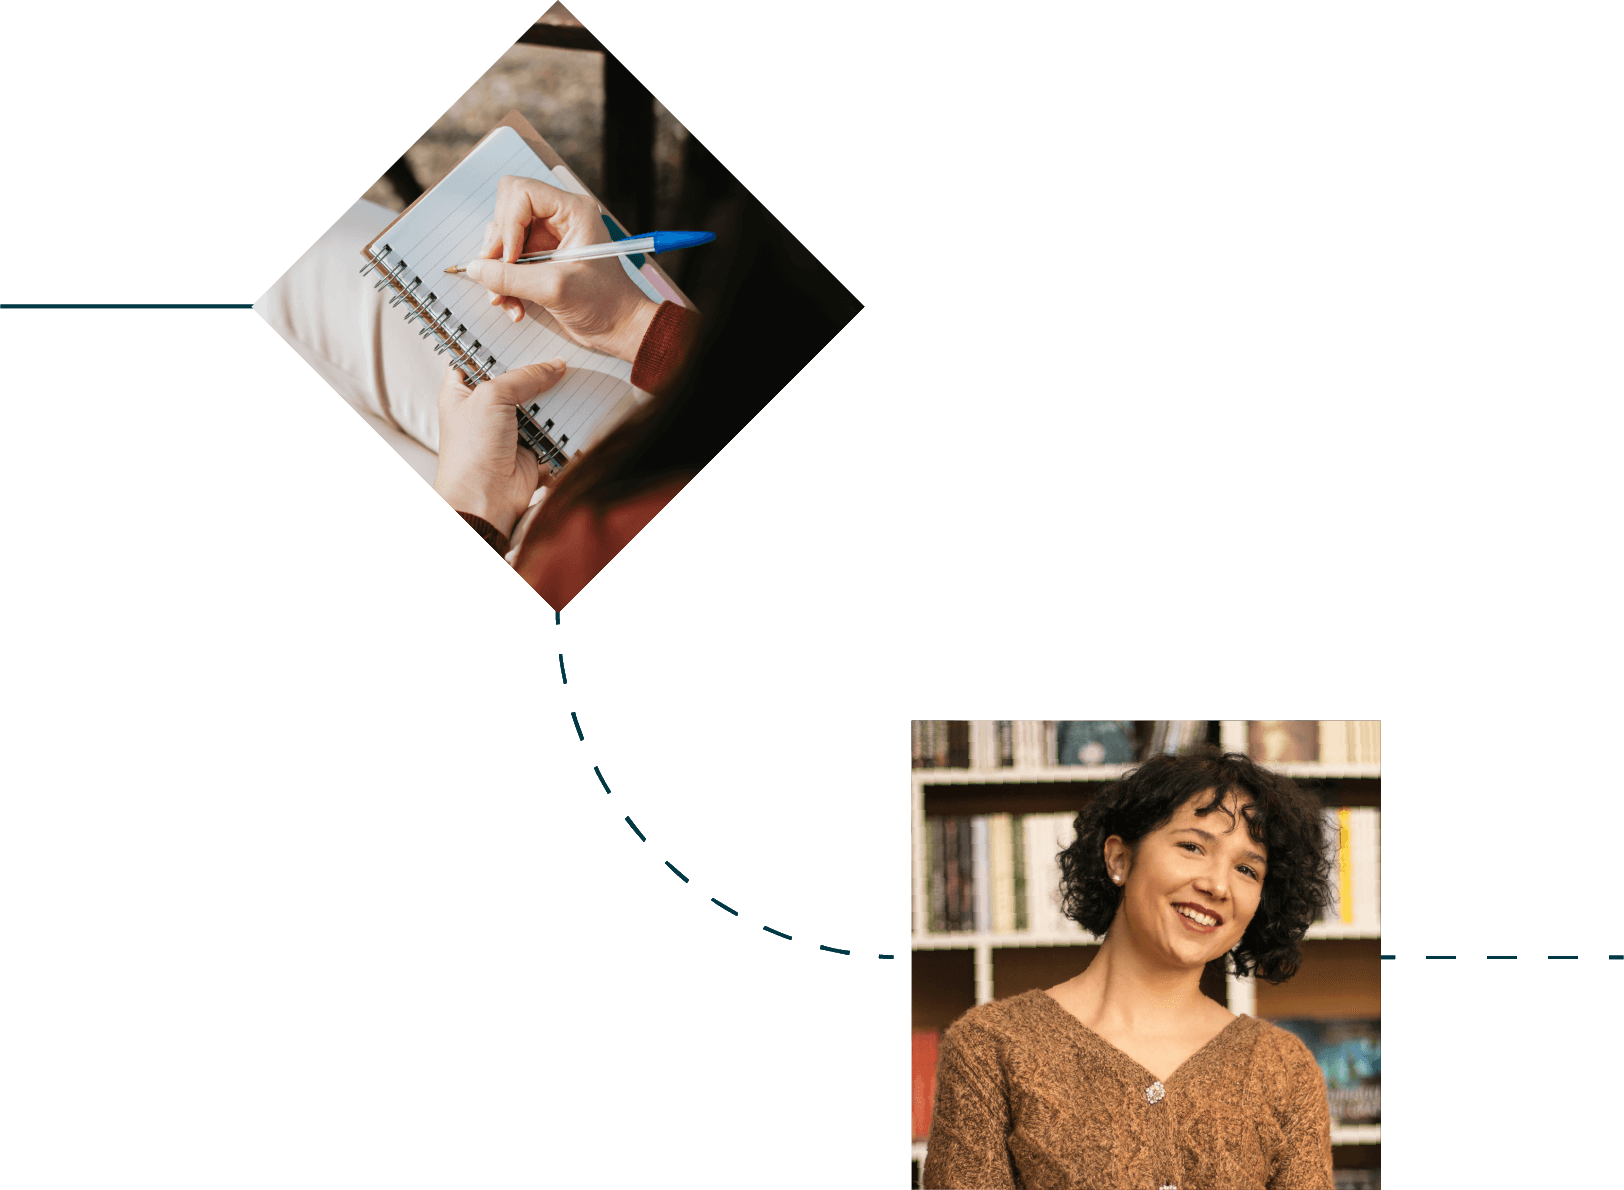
(493,536)
(558,566)
(665,347)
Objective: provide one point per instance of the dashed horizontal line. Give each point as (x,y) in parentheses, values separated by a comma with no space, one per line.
(633,825)
(1440,956)
(673,867)
(729,908)
(888,956)
(780,933)
(1561,956)
(1501,956)
(834,949)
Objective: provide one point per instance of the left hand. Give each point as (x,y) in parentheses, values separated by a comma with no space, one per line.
(482,468)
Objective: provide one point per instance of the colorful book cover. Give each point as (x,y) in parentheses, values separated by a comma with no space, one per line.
(1094,741)
(1349,1054)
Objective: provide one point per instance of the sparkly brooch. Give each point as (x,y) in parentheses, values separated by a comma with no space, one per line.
(1154,1093)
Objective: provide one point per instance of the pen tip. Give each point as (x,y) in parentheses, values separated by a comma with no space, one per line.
(456,268)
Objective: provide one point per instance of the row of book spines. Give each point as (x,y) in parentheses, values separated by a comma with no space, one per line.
(1000,873)
(1034,743)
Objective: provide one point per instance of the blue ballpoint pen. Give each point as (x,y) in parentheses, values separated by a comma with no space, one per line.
(650,243)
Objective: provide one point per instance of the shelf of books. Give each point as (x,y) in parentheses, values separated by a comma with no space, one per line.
(993,804)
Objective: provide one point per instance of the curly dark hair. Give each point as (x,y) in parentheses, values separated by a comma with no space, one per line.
(1284,817)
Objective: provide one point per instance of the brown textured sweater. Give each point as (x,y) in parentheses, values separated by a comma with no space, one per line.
(1029,1098)
(665,348)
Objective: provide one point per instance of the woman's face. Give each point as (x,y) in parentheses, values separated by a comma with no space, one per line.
(1192,886)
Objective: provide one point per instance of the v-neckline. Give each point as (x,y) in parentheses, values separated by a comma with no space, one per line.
(1129,1058)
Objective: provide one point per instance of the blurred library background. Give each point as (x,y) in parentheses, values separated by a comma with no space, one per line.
(993,805)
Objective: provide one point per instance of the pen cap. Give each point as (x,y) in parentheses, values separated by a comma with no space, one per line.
(670,241)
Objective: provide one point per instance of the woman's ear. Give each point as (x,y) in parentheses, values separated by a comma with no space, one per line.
(1117,859)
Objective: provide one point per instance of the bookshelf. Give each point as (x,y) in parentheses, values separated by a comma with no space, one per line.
(953,971)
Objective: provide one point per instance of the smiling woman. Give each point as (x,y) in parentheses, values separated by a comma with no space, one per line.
(1191,822)
(1127,1075)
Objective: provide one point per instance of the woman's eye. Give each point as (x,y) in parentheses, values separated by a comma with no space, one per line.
(1197,848)
(1191,846)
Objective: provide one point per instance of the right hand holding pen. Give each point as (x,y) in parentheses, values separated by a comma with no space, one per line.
(594,301)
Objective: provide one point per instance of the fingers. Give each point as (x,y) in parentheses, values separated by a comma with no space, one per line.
(511,306)
(520,385)
(540,283)
(533,216)
(453,388)
(521,202)
(491,245)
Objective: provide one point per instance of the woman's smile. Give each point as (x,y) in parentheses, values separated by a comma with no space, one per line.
(1196,918)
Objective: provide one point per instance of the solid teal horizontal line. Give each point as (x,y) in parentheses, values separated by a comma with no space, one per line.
(1616,956)
(1502,956)
(1440,956)
(125,306)
(1388,956)
(892,956)
(1561,956)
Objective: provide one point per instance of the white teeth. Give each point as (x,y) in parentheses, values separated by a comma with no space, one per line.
(1198,918)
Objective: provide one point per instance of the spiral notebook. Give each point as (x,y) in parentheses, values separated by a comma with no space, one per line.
(446,227)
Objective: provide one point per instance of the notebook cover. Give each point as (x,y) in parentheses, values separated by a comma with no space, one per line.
(551,161)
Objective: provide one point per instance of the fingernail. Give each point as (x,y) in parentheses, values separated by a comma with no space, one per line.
(557,364)
(472,268)
(515,313)
(494,298)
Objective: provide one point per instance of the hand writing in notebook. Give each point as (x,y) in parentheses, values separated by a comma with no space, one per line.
(594,301)
(482,469)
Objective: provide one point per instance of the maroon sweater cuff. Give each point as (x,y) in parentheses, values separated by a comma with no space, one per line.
(665,347)
(493,536)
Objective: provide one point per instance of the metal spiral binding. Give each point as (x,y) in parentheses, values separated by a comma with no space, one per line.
(539,438)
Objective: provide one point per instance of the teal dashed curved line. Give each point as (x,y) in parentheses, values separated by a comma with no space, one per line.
(561,672)
(598,771)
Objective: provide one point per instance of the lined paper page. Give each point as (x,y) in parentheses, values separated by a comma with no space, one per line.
(446,228)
